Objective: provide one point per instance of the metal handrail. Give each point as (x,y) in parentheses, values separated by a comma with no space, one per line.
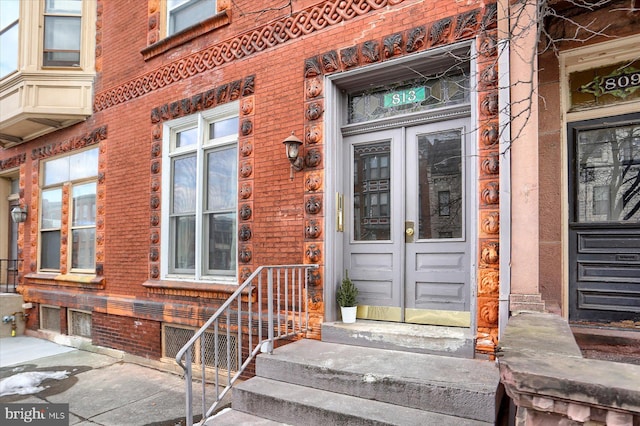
(9,275)
(242,317)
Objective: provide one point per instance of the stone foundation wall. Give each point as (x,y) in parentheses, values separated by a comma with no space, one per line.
(549,381)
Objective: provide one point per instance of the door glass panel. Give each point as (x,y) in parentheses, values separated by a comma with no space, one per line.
(608,162)
(440,197)
(371,191)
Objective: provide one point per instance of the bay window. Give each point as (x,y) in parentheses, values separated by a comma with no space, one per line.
(9,19)
(62,33)
(201,189)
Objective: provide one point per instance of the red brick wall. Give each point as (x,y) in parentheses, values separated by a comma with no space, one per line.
(132,335)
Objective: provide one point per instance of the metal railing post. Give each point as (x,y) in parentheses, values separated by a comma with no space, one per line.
(270,309)
(188,380)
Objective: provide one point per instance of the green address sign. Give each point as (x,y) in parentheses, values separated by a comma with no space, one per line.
(404,97)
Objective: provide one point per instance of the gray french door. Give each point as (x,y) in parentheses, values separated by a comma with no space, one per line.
(604,227)
(407,239)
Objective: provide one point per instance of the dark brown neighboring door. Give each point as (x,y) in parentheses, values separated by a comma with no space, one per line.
(604,222)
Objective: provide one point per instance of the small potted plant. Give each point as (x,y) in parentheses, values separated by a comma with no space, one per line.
(346,295)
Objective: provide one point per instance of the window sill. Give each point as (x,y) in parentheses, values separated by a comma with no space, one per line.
(95,282)
(192,289)
(219,20)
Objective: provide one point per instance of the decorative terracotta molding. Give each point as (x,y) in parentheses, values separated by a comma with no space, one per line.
(72,144)
(303,23)
(14,161)
(98,53)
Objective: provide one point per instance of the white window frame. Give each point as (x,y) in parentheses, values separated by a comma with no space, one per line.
(68,15)
(69,184)
(204,144)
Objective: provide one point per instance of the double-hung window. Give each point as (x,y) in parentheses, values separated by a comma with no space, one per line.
(68,199)
(185,13)
(199,195)
(62,33)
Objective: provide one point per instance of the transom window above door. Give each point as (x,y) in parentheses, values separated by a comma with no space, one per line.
(412,95)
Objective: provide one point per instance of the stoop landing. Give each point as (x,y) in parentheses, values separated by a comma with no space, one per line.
(437,340)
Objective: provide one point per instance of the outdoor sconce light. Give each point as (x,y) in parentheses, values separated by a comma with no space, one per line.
(19,214)
(292,145)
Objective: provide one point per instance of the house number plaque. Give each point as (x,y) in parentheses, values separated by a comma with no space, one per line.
(620,83)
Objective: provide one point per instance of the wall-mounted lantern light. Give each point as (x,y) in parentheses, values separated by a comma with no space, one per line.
(292,145)
(19,214)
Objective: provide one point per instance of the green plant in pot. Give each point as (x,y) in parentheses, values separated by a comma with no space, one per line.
(346,295)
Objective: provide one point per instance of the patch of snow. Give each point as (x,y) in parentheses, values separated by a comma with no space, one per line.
(369,378)
(29,382)
(219,413)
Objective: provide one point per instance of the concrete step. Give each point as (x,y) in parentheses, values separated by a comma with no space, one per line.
(299,405)
(460,387)
(229,417)
(438,340)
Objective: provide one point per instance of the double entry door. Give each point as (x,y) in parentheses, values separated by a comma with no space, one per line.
(407,220)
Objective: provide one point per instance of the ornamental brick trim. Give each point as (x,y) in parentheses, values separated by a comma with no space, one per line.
(14,161)
(50,150)
(289,28)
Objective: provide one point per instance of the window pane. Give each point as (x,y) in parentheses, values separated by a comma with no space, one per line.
(84,205)
(371,221)
(222,243)
(9,50)
(83,249)
(186,137)
(223,128)
(61,41)
(83,164)
(222,179)
(51,209)
(609,174)
(50,250)
(56,171)
(184,185)
(9,12)
(184,238)
(189,13)
(64,6)
(441,205)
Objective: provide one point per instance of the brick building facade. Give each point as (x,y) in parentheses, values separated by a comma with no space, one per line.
(182,158)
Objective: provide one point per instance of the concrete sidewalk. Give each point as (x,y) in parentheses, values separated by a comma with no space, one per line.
(100,389)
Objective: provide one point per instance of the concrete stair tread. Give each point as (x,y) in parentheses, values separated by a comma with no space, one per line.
(453,386)
(230,417)
(439,340)
(299,405)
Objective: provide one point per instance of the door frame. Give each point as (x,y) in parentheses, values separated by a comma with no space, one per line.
(570,61)
(574,228)
(335,110)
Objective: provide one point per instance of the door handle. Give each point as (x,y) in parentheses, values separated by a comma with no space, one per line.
(409,231)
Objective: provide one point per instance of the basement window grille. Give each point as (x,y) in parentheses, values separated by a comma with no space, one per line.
(175,337)
(79,323)
(50,318)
